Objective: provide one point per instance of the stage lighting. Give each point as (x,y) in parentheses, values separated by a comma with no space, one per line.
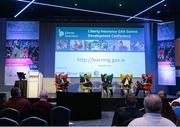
(90,11)
(145,10)
(23,9)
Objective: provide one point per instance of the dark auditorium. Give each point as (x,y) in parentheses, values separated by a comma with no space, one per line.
(90,63)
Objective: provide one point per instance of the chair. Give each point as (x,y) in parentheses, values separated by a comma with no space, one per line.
(8,122)
(177,111)
(110,77)
(60,116)
(10,113)
(33,121)
(85,88)
(125,86)
(147,86)
(60,87)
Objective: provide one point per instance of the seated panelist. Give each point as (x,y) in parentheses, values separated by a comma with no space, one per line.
(106,83)
(145,80)
(63,82)
(85,81)
(126,83)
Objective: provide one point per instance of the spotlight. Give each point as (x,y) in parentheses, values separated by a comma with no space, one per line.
(158,12)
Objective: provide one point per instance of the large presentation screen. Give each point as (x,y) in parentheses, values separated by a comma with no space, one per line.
(99,50)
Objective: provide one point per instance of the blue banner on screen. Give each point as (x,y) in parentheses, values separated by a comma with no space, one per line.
(98,50)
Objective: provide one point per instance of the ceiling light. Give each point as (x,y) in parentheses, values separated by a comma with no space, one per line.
(75,4)
(24,8)
(120,5)
(90,11)
(165,5)
(158,12)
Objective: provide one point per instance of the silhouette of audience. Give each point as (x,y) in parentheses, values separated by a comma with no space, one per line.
(42,108)
(124,115)
(19,103)
(166,110)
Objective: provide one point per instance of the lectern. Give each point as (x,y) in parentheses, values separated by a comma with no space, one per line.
(21,83)
(34,84)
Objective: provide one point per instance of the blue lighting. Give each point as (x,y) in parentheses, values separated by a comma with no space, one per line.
(24,8)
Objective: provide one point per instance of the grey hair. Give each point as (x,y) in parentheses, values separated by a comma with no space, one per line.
(152,103)
(178,94)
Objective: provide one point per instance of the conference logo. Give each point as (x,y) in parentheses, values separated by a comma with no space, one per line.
(61,33)
(96,73)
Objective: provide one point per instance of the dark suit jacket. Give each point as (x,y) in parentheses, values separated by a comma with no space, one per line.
(41,109)
(21,104)
(124,115)
(82,79)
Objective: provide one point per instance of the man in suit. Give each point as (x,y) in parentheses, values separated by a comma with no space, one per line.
(124,115)
(106,83)
(63,82)
(86,81)
(139,86)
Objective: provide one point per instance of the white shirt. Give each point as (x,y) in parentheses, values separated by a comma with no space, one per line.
(151,119)
(176,100)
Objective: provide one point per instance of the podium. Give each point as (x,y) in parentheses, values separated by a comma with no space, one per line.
(34,84)
(22,84)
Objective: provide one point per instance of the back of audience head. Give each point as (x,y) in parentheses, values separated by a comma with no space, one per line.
(3,98)
(44,95)
(131,100)
(152,103)
(178,94)
(162,94)
(15,92)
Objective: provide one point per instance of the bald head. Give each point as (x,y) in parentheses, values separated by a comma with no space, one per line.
(44,95)
(152,103)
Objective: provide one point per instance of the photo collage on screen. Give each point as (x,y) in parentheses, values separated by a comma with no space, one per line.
(23,49)
(99,46)
(166,52)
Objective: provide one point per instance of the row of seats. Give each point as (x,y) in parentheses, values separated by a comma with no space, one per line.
(59,116)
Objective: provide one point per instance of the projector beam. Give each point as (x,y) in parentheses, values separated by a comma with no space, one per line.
(24,8)
(90,11)
(145,10)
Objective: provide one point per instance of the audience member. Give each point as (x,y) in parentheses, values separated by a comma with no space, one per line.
(166,110)
(177,98)
(42,107)
(3,99)
(152,117)
(17,102)
(124,115)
